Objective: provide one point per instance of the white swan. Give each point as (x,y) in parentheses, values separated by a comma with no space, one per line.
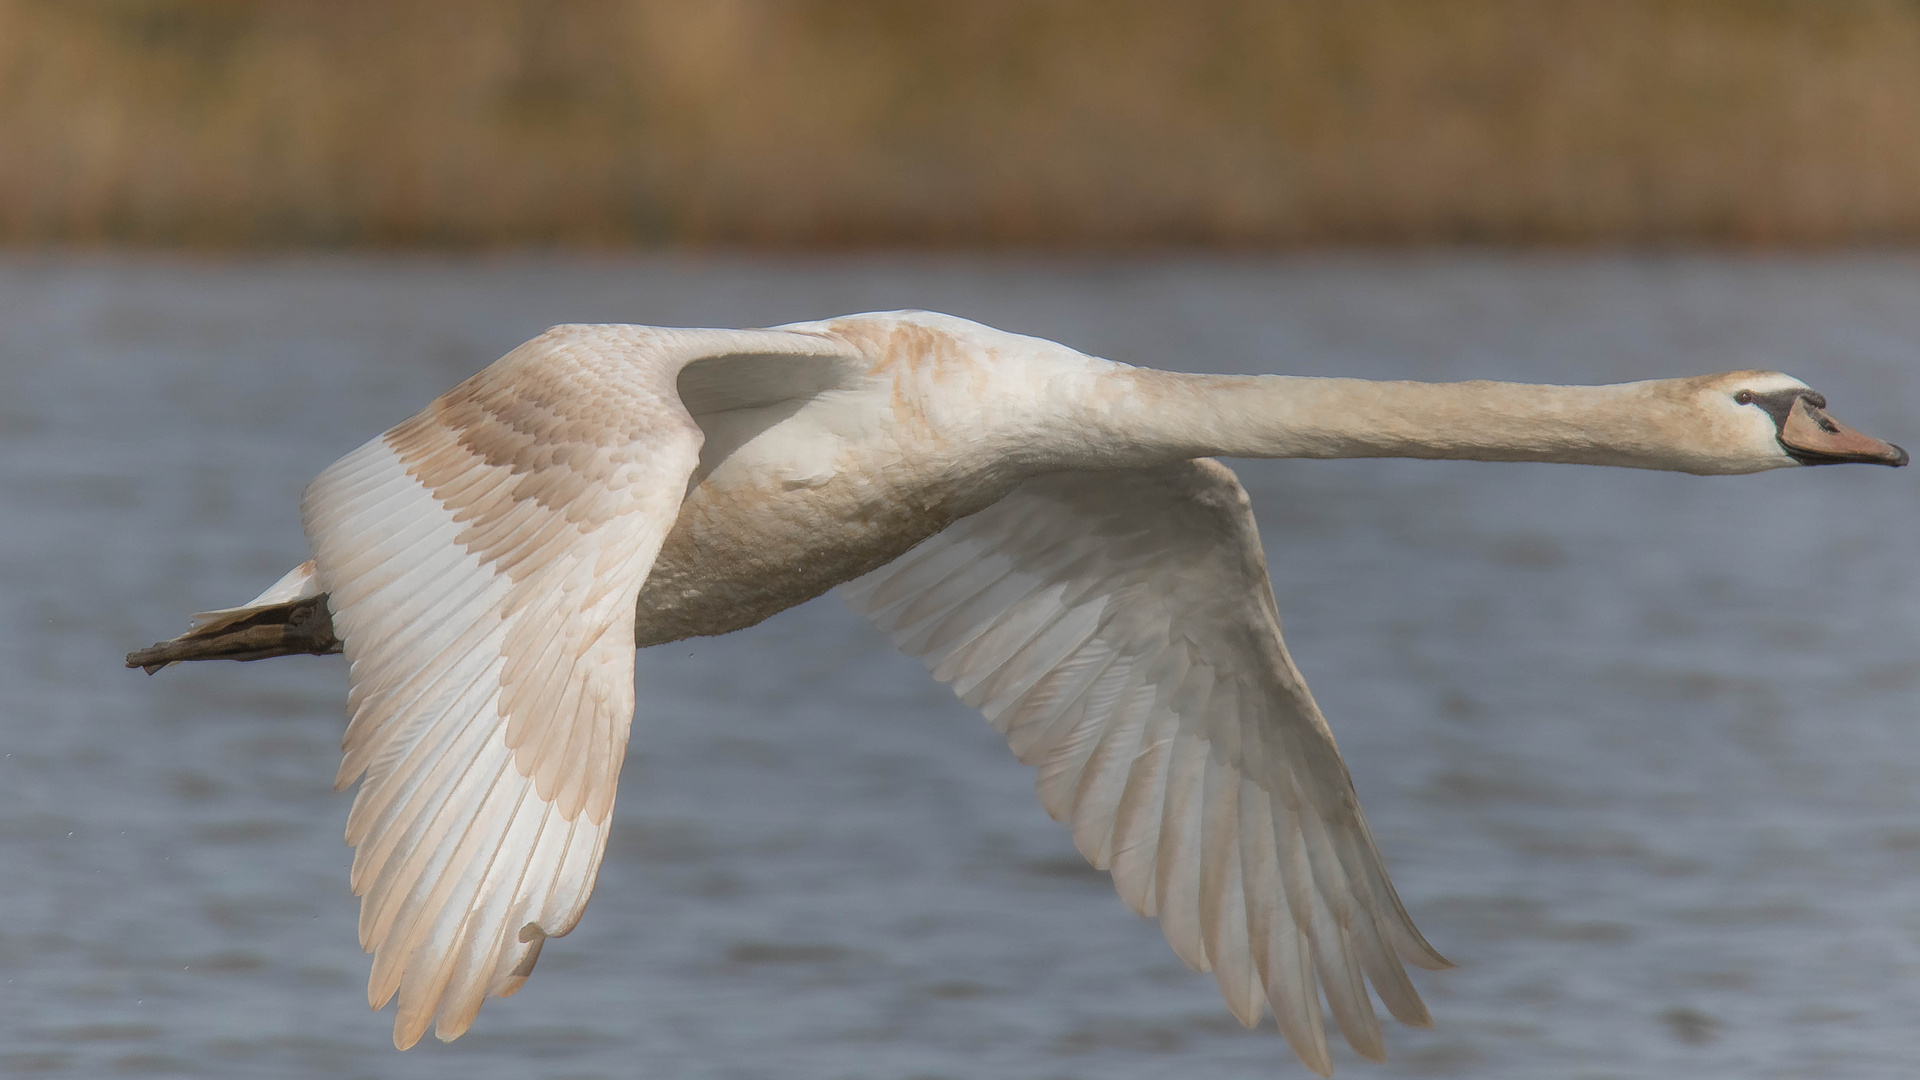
(1039,526)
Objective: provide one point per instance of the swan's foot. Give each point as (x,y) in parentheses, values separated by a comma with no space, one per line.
(250,633)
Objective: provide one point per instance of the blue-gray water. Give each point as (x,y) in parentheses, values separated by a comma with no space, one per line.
(1640,748)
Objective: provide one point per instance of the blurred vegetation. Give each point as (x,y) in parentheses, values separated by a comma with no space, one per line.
(959,122)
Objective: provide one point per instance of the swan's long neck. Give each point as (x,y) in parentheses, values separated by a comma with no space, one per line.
(1165,414)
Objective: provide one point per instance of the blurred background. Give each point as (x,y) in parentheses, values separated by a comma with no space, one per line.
(1639,748)
(990,123)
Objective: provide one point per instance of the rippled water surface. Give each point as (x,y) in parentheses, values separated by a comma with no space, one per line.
(1640,748)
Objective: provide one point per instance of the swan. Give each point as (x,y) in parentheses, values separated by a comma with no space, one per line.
(1046,530)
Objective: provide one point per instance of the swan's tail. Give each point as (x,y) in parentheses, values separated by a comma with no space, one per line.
(290,618)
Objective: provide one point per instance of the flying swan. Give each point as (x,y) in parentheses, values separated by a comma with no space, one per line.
(1044,529)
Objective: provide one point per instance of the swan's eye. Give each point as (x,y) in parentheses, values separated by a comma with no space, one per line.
(1744,397)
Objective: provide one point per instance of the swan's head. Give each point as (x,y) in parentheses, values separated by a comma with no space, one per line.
(1766,420)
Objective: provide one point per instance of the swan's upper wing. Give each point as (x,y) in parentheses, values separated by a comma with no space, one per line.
(483,560)
(1119,628)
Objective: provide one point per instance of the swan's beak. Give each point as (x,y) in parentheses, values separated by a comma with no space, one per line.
(1814,438)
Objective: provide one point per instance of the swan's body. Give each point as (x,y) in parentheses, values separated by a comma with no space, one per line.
(1031,521)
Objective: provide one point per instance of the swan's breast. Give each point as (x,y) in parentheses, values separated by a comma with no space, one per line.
(792,499)
(813,475)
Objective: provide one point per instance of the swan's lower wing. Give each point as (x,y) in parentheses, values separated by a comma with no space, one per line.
(1119,628)
(483,560)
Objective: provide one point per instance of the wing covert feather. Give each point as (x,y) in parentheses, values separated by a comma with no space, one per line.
(1119,629)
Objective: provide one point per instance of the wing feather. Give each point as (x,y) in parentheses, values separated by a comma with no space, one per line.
(483,561)
(1119,629)
(1137,818)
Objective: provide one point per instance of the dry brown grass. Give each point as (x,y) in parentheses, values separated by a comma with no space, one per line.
(969,122)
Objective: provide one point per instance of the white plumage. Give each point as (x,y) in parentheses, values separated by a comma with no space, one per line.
(1119,629)
(1040,527)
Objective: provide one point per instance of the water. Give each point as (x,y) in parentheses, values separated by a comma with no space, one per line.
(1639,748)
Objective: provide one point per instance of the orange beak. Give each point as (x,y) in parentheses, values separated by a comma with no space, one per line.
(1814,438)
